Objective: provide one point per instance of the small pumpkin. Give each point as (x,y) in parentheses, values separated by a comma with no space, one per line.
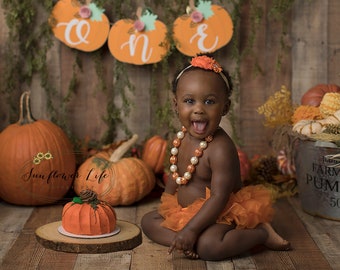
(330,103)
(83,27)
(306,112)
(154,152)
(37,161)
(116,180)
(141,41)
(86,215)
(310,127)
(205,29)
(314,95)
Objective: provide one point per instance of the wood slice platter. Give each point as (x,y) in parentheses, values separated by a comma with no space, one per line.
(129,237)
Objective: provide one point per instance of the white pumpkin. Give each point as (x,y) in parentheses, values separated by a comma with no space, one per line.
(309,127)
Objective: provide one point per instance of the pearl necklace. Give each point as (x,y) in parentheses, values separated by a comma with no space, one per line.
(183,180)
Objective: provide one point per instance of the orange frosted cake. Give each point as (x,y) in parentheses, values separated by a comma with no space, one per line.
(86,215)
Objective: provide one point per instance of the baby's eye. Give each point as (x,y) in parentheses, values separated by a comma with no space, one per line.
(189,100)
(209,101)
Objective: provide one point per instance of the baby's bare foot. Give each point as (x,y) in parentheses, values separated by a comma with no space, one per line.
(274,241)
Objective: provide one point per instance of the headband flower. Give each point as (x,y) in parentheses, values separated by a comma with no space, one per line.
(207,63)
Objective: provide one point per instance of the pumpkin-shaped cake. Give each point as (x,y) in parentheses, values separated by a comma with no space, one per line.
(86,215)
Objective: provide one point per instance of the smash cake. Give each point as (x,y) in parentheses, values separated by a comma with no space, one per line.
(87,216)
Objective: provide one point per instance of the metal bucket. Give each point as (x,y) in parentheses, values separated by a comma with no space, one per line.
(318,178)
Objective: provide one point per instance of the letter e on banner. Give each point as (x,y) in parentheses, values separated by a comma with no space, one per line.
(210,34)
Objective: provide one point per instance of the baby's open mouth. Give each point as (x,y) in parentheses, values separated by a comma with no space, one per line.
(199,126)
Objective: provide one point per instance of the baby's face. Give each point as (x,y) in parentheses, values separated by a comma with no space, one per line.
(201,101)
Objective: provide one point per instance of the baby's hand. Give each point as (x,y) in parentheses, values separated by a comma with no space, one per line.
(184,241)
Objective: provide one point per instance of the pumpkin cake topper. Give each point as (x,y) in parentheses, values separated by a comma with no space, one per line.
(204,29)
(141,41)
(83,27)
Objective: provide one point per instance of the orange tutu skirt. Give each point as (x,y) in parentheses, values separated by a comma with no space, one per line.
(247,208)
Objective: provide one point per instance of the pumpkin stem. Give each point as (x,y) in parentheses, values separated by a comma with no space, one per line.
(139,12)
(192,4)
(90,197)
(121,150)
(25,111)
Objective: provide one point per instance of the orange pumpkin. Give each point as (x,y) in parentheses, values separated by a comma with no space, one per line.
(116,180)
(88,216)
(37,163)
(314,95)
(154,152)
(81,27)
(205,30)
(245,164)
(139,43)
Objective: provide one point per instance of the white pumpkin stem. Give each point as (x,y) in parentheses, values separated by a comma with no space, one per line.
(28,118)
(122,149)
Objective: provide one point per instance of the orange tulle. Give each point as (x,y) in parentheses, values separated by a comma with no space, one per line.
(248,207)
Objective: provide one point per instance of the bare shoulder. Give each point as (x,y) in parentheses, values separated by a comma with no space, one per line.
(224,161)
(222,145)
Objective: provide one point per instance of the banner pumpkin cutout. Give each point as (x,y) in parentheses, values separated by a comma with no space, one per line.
(83,27)
(139,42)
(204,29)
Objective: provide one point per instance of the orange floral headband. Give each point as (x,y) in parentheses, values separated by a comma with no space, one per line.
(207,63)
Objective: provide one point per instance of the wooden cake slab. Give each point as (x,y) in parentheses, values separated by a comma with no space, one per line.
(128,237)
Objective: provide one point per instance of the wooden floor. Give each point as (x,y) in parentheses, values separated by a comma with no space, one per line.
(315,241)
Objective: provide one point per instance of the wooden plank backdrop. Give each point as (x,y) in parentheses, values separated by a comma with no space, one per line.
(311,57)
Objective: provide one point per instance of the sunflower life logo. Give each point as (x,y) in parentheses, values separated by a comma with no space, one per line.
(33,170)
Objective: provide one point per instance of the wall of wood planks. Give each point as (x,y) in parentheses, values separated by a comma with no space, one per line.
(311,57)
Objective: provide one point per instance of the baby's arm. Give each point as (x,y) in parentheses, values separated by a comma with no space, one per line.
(171,185)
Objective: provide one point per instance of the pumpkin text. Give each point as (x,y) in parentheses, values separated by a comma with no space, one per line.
(320,180)
(47,177)
(201,37)
(93,176)
(77,26)
(132,43)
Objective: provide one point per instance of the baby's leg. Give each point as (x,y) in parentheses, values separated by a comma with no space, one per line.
(151,225)
(228,242)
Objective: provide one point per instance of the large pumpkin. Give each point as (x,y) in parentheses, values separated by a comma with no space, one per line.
(37,163)
(138,42)
(85,27)
(205,29)
(154,152)
(314,95)
(116,180)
